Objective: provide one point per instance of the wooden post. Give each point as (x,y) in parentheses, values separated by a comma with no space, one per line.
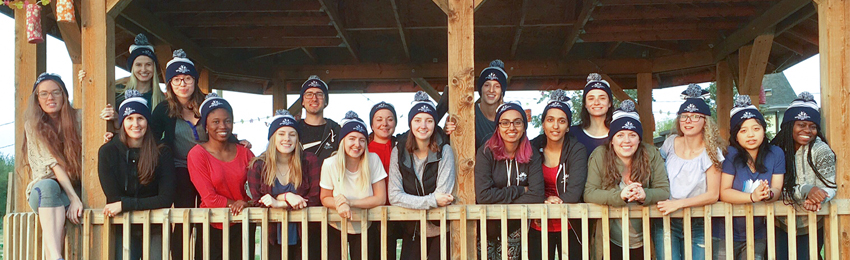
(724,98)
(835,84)
(644,87)
(163,56)
(278,93)
(30,60)
(204,80)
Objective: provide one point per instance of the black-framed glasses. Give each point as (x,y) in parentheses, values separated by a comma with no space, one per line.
(55,94)
(179,81)
(505,123)
(693,117)
(311,95)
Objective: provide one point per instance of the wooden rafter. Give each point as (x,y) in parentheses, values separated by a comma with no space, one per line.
(664,46)
(182,21)
(649,26)
(573,36)
(113,7)
(654,13)
(518,34)
(664,2)
(612,47)
(311,53)
(422,83)
(335,20)
(255,6)
(649,36)
(443,27)
(261,32)
(279,43)
(401,33)
(274,52)
(770,18)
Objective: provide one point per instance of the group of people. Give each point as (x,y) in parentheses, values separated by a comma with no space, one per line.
(177,149)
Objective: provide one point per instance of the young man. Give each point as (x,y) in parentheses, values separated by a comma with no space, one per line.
(491,86)
(319,135)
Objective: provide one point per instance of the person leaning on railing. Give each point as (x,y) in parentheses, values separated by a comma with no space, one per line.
(218,169)
(136,174)
(382,142)
(564,175)
(596,112)
(287,177)
(752,172)
(508,171)
(352,178)
(422,176)
(693,157)
(626,171)
(809,171)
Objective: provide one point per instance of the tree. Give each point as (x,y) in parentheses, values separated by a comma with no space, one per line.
(576,102)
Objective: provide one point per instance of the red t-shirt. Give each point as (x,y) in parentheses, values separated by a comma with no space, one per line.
(550,180)
(383,151)
(219,181)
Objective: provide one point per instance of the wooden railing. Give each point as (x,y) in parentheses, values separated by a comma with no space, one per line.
(22,234)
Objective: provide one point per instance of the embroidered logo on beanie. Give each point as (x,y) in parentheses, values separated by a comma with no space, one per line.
(215,103)
(129,111)
(182,69)
(628,125)
(492,76)
(691,108)
(802,116)
(747,115)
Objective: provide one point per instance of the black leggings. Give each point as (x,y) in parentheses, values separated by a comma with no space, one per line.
(334,246)
(314,244)
(216,241)
(185,196)
(412,249)
(535,241)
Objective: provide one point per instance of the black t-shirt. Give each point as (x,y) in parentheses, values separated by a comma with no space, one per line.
(310,133)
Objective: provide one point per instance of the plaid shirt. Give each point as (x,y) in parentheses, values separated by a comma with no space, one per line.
(309,188)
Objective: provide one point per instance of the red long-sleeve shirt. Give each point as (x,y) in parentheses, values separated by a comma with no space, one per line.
(219,181)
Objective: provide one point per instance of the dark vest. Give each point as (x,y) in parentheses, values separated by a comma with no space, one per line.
(410,183)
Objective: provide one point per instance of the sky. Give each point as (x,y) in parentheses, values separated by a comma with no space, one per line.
(804,76)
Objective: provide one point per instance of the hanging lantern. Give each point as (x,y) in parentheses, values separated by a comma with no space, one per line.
(34,33)
(65,11)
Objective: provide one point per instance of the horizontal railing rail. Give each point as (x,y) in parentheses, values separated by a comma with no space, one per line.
(22,233)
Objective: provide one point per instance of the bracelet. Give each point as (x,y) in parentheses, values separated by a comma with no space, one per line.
(751,198)
(286,201)
(770,196)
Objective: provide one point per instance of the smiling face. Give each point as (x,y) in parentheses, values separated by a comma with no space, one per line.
(751,135)
(183,86)
(219,125)
(143,68)
(383,124)
(804,133)
(625,143)
(285,139)
(509,132)
(135,125)
(51,98)
(355,144)
(313,100)
(422,126)
(491,92)
(689,126)
(597,102)
(555,125)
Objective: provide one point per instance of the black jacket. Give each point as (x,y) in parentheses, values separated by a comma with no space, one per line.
(495,185)
(572,167)
(120,182)
(410,183)
(164,126)
(330,140)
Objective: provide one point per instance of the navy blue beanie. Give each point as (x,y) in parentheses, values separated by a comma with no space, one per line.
(743,110)
(133,103)
(180,65)
(141,48)
(352,123)
(511,105)
(49,76)
(422,104)
(282,118)
(804,108)
(213,102)
(695,101)
(625,118)
(496,72)
(315,82)
(379,106)
(595,81)
(558,100)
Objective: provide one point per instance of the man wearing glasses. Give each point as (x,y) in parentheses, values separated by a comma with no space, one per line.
(318,134)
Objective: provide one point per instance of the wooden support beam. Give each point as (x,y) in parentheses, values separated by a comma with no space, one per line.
(616,89)
(278,94)
(586,11)
(249,20)
(743,64)
(724,100)
(114,7)
(71,36)
(833,21)
(655,13)
(241,32)
(401,30)
(518,34)
(612,47)
(335,20)
(664,46)
(204,80)
(30,60)
(311,53)
(422,83)
(255,6)
(645,85)
(649,36)
(163,53)
(756,66)
(767,20)
(682,61)
(665,2)
(272,43)
(295,108)
(675,25)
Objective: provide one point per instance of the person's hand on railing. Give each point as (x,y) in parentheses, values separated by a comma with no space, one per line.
(75,211)
(629,191)
(339,200)
(762,192)
(237,206)
(638,194)
(811,206)
(669,206)
(112,209)
(553,200)
(817,195)
(344,211)
(443,199)
(293,200)
(269,201)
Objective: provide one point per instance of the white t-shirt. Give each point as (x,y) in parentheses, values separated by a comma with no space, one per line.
(347,184)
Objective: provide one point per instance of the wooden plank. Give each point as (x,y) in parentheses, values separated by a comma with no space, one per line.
(206,240)
(645,86)
(322,29)
(524,233)
(686,219)
(663,2)
(792,231)
(401,30)
(422,83)
(482,236)
(504,231)
(616,89)
(624,240)
(651,26)
(324,232)
(87,235)
(443,5)
(113,7)
(707,232)
(7,236)
(384,233)
(187,235)
(225,235)
(257,6)
(756,65)
(191,22)
(264,234)
(125,225)
(518,33)
(668,239)
(246,230)
(647,238)
(587,8)
(833,241)
(657,13)
(305,238)
(606,234)
(106,251)
(768,19)
(166,235)
(364,235)
(423,245)
(751,241)
(284,233)
(649,36)
(813,238)
(728,226)
(724,97)
(204,80)
(343,34)
(443,236)
(771,232)
(273,43)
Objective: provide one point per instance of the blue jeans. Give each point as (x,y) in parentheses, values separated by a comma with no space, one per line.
(678,238)
(802,244)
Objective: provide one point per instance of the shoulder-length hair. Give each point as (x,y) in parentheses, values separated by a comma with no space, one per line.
(785,140)
(270,157)
(639,168)
(365,172)
(148,154)
(156,93)
(411,146)
(743,157)
(711,139)
(59,135)
(585,116)
(497,146)
(175,109)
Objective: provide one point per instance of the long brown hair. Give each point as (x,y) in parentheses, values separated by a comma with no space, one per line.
(411,145)
(175,109)
(639,168)
(269,157)
(59,135)
(148,154)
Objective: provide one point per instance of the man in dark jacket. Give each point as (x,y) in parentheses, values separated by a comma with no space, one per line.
(319,135)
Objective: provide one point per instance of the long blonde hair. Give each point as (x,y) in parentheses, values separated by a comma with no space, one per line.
(711,139)
(365,172)
(269,157)
(156,96)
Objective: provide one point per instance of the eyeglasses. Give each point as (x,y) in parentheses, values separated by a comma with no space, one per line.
(694,117)
(180,81)
(505,123)
(311,95)
(55,94)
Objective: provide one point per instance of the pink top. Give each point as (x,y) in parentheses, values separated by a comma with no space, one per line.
(219,181)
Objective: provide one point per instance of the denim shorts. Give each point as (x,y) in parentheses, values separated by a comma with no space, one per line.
(47,194)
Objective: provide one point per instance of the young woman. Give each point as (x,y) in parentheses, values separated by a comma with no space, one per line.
(218,169)
(596,113)
(693,158)
(626,171)
(809,171)
(508,171)
(136,174)
(564,175)
(52,152)
(285,176)
(352,178)
(752,172)
(382,142)
(422,176)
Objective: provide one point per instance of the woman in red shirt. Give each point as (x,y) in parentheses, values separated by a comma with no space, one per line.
(382,119)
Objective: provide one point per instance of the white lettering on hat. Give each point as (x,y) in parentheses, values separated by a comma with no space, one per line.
(802,116)
(629,125)
(182,69)
(691,108)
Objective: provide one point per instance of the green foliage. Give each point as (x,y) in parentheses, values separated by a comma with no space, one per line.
(7,165)
(575,100)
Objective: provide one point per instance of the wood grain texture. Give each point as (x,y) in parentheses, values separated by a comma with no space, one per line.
(647,119)
(724,97)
